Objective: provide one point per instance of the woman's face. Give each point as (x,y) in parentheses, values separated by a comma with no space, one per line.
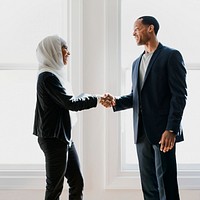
(65,54)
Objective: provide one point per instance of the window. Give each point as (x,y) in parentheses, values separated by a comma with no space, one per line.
(122,168)
(173,33)
(23,25)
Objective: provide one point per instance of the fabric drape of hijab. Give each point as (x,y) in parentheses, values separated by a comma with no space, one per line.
(50,59)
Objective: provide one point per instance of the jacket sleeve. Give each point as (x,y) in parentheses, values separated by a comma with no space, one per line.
(178,88)
(57,92)
(124,102)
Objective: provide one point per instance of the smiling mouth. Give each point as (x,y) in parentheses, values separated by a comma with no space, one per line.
(136,39)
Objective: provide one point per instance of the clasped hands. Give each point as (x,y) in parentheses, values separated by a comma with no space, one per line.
(107,100)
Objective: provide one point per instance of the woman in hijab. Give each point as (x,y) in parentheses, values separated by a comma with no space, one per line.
(53,119)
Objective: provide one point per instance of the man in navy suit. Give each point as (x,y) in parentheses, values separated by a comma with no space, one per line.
(158,98)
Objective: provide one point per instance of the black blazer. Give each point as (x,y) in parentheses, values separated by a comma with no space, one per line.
(163,96)
(52,119)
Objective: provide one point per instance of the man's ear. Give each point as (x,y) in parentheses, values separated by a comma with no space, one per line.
(151,28)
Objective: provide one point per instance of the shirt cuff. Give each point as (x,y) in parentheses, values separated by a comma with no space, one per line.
(98,98)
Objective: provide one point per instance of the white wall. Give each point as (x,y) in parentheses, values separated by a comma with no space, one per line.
(91,73)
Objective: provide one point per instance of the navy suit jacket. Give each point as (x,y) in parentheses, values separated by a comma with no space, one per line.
(162,98)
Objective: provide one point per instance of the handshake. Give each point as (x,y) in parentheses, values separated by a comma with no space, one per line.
(107,100)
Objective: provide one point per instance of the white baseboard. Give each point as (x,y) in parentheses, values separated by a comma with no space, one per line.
(16,177)
(22,177)
(188,179)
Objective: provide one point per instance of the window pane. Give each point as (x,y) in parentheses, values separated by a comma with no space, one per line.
(18,145)
(23,24)
(176,30)
(188,151)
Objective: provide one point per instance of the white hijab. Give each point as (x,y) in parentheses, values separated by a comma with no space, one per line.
(49,55)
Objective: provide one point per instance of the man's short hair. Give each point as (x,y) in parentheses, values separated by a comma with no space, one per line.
(149,20)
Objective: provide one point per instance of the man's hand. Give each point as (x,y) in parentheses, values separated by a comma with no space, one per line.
(167,141)
(107,100)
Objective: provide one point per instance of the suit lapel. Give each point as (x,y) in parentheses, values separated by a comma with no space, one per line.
(153,59)
(135,74)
